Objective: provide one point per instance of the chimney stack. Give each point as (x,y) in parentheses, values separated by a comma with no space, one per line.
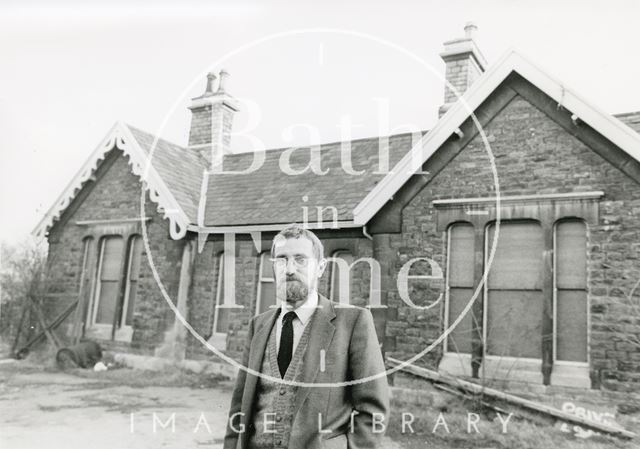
(212,119)
(464,64)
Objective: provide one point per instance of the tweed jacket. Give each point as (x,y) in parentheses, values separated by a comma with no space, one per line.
(326,416)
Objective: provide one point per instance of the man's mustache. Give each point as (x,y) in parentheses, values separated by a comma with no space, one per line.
(292,277)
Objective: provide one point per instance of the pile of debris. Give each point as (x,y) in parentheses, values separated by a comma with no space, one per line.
(82,354)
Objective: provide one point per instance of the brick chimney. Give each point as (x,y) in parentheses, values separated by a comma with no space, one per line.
(464,64)
(212,119)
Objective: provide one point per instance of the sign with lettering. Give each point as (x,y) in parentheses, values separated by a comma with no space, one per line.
(599,414)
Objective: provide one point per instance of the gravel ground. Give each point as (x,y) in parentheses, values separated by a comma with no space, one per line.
(45,409)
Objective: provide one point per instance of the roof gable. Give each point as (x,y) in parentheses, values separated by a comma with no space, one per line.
(168,175)
(611,128)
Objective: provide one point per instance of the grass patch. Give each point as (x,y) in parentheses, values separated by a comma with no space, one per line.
(171,377)
(451,428)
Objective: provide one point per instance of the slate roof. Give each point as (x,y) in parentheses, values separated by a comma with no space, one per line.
(271,196)
(180,168)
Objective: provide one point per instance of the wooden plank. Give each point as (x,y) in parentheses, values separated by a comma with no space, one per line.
(497,394)
(59,319)
(43,324)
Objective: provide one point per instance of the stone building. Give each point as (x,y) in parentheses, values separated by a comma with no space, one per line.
(523,177)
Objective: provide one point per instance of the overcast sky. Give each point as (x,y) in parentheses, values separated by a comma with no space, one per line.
(70,71)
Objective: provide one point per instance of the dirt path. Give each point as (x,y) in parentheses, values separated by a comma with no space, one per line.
(120,409)
(40,409)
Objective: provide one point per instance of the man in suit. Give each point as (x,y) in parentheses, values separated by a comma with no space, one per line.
(299,357)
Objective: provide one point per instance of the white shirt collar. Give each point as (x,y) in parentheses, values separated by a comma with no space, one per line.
(303,312)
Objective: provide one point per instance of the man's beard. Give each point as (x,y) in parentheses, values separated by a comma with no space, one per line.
(297,292)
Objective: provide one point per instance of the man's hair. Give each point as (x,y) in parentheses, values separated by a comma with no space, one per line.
(295,231)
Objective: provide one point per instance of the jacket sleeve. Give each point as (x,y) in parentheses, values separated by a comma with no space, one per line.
(234,426)
(370,399)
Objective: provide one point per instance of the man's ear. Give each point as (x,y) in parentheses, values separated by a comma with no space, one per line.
(322,265)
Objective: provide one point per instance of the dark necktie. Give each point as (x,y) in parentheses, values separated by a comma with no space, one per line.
(286,343)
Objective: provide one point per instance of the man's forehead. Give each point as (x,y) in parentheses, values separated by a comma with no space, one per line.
(298,244)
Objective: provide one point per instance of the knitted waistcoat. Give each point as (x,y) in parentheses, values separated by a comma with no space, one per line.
(276,399)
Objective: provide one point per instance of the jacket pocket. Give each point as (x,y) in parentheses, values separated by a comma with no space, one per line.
(338,441)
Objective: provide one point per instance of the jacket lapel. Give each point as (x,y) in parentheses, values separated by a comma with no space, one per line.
(256,354)
(321,334)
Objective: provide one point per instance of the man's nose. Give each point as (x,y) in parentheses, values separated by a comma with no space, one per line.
(291,267)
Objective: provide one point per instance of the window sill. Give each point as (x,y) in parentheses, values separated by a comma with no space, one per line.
(218,341)
(571,374)
(125,334)
(103,332)
(455,364)
(564,374)
(99,331)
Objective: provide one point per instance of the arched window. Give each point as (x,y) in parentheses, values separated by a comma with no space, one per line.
(514,299)
(570,291)
(117,281)
(110,270)
(460,273)
(134,255)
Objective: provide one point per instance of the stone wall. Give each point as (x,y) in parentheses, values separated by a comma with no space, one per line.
(113,196)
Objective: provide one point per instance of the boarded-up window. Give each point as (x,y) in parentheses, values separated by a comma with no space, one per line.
(221,315)
(514,299)
(460,285)
(110,272)
(340,276)
(134,257)
(571,291)
(266,285)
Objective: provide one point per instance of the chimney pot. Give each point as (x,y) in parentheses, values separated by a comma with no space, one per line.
(224,75)
(470,30)
(211,77)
